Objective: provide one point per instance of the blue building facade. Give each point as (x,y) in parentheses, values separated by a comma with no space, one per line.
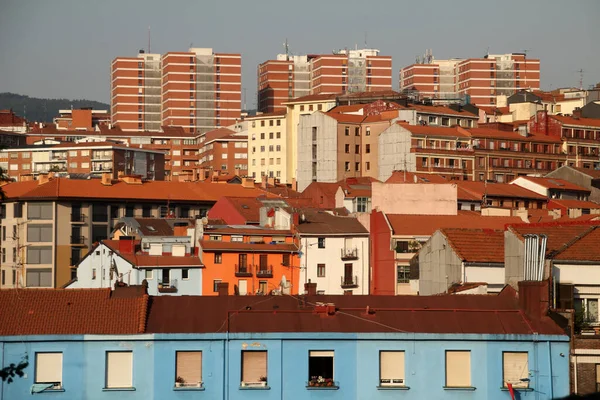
(356,365)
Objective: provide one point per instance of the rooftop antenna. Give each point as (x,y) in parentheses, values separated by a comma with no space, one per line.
(525,51)
(148,38)
(245,99)
(581,71)
(366,47)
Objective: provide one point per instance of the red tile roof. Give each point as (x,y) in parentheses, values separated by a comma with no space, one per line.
(476,245)
(478,314)
(409,177)
(426,225)
(141,260)
(435,130)
(573,121)
(555,183)
(216,245)
(493,189)
(150,190)
(584,249)
(71,312)
(478,133)
(569,204)
(319,222)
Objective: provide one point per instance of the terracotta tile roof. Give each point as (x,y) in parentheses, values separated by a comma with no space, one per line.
(150,190)
(567,204)
(478,189)
(319,222)
(141,260)
(347,108)
(435,130)
(415,177)
(70,312)
(217,134)
(584,249)
(476,245)
(426,225)
(423,314)
(555,183)
(245,230)
(216,245)
(571,121)
(477,133)
(559,233)
(154,227)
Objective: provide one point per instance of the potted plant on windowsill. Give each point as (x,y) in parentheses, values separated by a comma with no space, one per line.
(179,381)
(263,381)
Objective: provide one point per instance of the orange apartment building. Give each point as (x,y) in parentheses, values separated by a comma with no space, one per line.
(478,79)
(344,71)
(83,119)
(223,151)
(251,260)
(198,90)
(82,158)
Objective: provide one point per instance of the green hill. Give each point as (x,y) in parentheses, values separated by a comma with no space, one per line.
(43,110)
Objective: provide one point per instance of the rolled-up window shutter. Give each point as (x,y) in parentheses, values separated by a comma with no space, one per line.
(458,368)
(392,366)
(515,367)
(189,366)
(48,367)
(254,365)
(119,365)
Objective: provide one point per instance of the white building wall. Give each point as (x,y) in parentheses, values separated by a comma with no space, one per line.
(334,265)
(394,152)
(527,184)
(326,142)
(493,276)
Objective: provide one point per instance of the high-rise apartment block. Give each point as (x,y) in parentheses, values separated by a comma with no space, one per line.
(344,71)
(478,79)
(198,90)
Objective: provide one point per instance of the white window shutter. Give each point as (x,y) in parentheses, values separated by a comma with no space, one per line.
(458,368)
(392,366)
(254,366)
(48,367)
(119,369)
(515,368)
(189,366)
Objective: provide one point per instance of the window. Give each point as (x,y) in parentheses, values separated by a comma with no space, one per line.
(368,166)
(361,204)
(367,148)
(347,166)
(285,260)
(347,148)
(93,274)
(188,369)
(216,283)
(148,274)
(185,274)
(39,277)
(391,368)
(320,270)
(119,369)
(458,369)
(254,367)
(347,131)
(357,131)
(18,210)
(129,210)
(403,273)
(39,233)
(39,211)
(39,255)
(321,243)
(320,366)
(218,258)
(515,369)
(48,369)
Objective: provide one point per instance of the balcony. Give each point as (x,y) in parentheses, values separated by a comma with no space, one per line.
(265,272)
(242,271)
(75,261)
(77,218)
(77,240)
(168,287)
(349,254)
(349,282)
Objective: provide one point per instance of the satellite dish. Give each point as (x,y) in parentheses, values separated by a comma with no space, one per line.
(204,221)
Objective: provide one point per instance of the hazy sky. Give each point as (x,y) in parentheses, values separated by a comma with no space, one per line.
(61,48)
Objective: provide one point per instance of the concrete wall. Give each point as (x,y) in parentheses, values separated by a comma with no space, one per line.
(439,266)
(514,251)
(410,198)
(394,152)
(383,263)
(326,149)
(577,178)
(356,365)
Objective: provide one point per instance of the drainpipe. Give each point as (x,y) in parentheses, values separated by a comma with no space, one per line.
(574,373)
(526,259)
(2,364)
(550,370)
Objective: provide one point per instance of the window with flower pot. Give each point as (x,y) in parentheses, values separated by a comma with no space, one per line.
(188,367)
(320,368)
(391,368)
(254,368)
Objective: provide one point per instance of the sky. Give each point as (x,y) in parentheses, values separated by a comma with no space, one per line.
(63,49)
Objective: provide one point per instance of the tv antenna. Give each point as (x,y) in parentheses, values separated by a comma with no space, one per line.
(580,71)
(287,50)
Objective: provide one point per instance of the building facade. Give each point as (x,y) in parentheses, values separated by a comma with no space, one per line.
(268,147)
(198,90)
(281,80)
(223,151)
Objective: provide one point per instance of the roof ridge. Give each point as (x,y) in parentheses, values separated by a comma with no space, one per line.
(571,242)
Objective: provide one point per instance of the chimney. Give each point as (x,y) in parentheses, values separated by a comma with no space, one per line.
(238,172)
(223,288)
(132,179)
(577,112)
(43,178)
(127,244)
(294,185)
(310,288)
(534,298)
(106,178)
(271,181)
(248,182)
(215,176)
(26,178)
(264,182)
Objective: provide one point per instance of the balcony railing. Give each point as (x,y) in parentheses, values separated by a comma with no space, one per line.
(168,287)
(75,260)
(265,272)
(349,281)
(77,218)
(349,254)
(77,239)
(242,271)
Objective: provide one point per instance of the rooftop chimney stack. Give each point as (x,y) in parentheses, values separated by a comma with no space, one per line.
(106,178)
(310,288)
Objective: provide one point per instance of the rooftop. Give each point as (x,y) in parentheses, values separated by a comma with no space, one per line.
(144,260)
(555,183)
(320,222)
(577,121)
(415,177)
(476,245)
(426,225)
(493,189)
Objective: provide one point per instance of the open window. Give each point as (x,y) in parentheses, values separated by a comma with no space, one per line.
(320,368)
(48,370)
(188,369)
(254,368)
(391,368)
